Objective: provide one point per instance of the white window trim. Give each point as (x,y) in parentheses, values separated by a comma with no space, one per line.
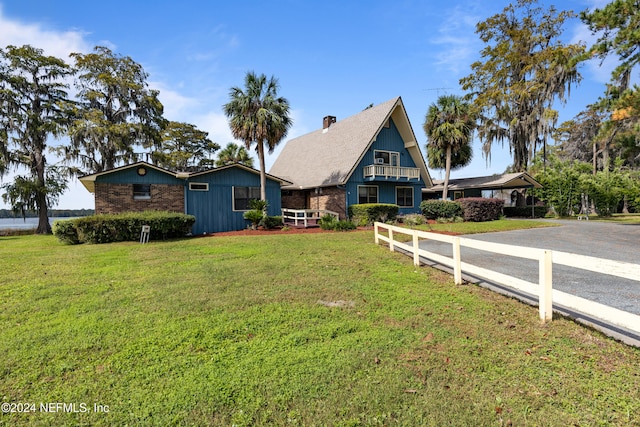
(391,153)
(413,196)
(377,187)
(206,184)
(233,197)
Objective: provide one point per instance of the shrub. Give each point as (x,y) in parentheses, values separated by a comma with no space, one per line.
(109,228)
(66,232)
(270,222)
(524,211)
(433,209)
(368,213)
(344,225)
(255,216)
(413,220)
(479,209)
(328,222)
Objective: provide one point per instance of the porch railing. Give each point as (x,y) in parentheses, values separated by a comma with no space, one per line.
(306,216)
(397,172)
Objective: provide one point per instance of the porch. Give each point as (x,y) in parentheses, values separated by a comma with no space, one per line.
(305,217)
(386,171)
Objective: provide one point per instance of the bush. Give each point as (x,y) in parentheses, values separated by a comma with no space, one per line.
(433,209)
(328,222)
(344,225)
(368,213)
(524,211)
(255,216)
(109,228)
(270,222)
(479,209)
(413,220)
(66,232)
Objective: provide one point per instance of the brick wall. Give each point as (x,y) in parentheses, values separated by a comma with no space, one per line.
(294,199)
(331,199)
(117,198)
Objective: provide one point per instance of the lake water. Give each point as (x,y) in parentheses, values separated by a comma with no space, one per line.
(22,224)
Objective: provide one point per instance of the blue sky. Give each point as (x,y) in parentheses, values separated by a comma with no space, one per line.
(331,57)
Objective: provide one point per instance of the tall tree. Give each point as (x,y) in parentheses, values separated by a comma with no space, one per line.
(117,111)
(234,153)
(617,26)
(33,107)
(524,69)
(449,126)
(618,29)
(184,147)
(257,115)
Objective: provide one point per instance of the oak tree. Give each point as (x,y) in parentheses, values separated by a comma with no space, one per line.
(525,68)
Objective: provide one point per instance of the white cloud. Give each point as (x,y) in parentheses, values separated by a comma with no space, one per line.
(456,35)
(177,107)
(54,43)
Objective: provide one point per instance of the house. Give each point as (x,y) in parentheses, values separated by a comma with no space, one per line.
(370,157)
(217,197)
(505,187)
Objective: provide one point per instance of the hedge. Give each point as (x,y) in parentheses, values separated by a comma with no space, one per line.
(524,211)
(109,228)
(368,213)
(479,209)
(434,209)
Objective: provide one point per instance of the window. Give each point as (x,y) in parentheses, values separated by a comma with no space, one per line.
(199,186)
(367,194)
(389,158)
(141,191)
(404,197)
(458,195)
(242,196)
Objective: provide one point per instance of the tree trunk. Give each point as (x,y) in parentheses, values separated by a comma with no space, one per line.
(263,175)
(447,170)
(41,198)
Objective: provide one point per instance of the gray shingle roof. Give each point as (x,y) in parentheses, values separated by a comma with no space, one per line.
(493,182)
(327,157)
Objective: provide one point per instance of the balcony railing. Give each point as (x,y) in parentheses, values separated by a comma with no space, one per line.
(397,172)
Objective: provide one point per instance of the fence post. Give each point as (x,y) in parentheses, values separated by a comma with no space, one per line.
(390,239)
(545,272)
(416,250)
(457,262)
(375,233)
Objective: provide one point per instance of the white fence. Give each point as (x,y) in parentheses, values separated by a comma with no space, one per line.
(306,216)
(546,258)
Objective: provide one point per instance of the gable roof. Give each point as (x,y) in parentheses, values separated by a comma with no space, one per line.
(328,157)
(240,166)
(89,180)
(493,182)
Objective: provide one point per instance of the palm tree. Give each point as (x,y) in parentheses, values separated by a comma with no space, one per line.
(449,126)
(234,153)
(257,115)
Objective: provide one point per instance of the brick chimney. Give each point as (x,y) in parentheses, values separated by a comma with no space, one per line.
(328,121)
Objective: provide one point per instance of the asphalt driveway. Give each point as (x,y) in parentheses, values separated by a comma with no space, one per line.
(619,242)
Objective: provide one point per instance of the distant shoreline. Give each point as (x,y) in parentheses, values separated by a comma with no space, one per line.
(56,213)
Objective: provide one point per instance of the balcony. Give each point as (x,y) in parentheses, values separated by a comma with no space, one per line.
(396,172)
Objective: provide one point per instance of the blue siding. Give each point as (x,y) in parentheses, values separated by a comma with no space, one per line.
(130,176)
(213,209)
(388,139)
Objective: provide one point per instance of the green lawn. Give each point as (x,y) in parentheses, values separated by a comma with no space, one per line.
(310,329)
(485,227)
